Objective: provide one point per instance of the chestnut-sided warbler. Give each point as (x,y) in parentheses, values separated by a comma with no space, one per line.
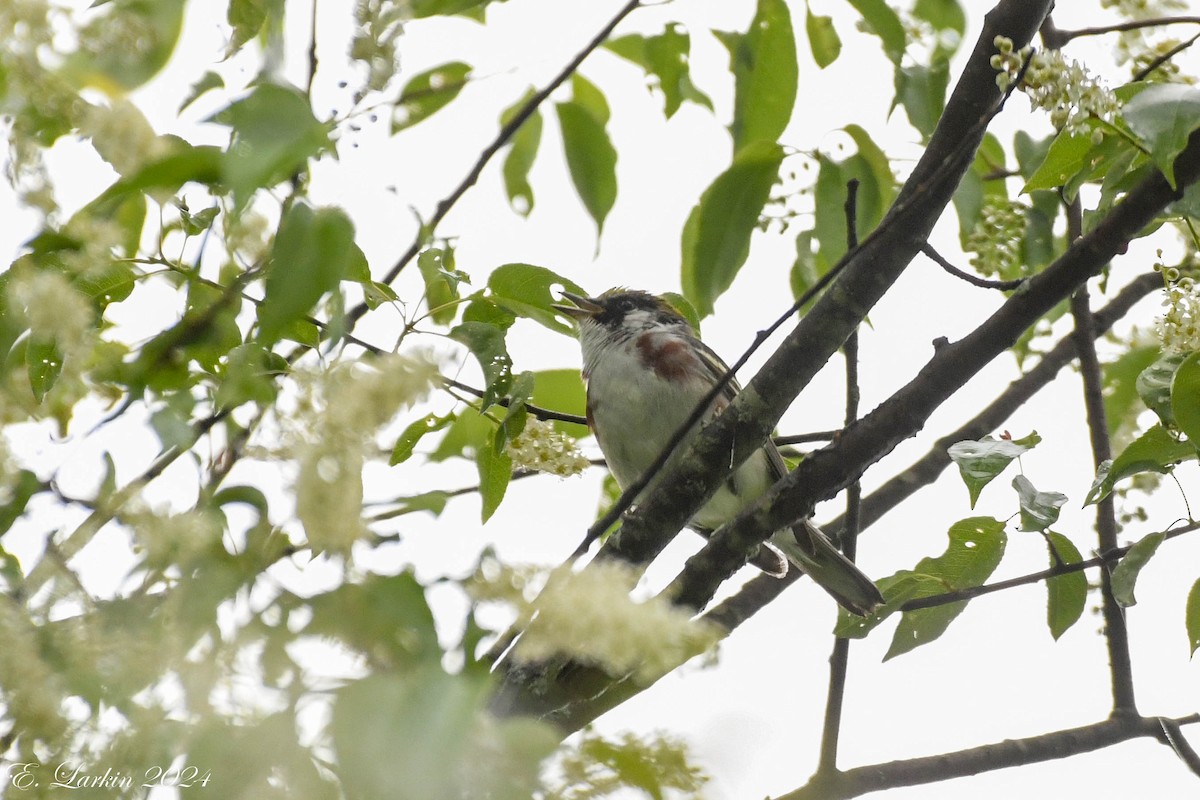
(646,371)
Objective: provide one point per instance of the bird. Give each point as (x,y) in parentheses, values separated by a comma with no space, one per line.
(645,371)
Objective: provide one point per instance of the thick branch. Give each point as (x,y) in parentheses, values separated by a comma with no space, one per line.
(960,764)
(831,469)
(925,470)
(869,272)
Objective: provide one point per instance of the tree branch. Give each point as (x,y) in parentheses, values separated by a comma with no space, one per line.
(868,273)
(924,471)
(1063,37)
(972,761)
(829,470)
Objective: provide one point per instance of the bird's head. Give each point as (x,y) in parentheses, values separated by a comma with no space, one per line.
(621,313)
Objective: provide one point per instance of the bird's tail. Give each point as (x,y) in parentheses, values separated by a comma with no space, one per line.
(809,549)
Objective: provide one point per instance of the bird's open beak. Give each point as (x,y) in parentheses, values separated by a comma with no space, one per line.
(584,307)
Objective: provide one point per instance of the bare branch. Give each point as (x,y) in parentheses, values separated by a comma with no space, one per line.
(974,280)
(972,761)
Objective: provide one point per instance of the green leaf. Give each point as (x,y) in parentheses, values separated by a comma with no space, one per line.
(1163,115)
(432,8)
(413,730)
(822,38)
(766,75)
(25,486)
(521,155)
(1192,618)
(1185,398)
(884,23)
(209,81)
(198,223)
(486,343)
(975,549)
(1125,574)
(941,14)
(664,58)
(246,17)
(384,616)
(1067,593)
(1039,510)
(274,135)
(588,95)
(312,253)
(249,376)
(412,434)
(1153,385)
(981,461)
(1121,406)
(495,470)
(427,93)
(117,69)
(591,159)
(441,283)
(434,502)
(1156,450)
(1067,156)
(921,90)
(716,238)
(561,390)
(185,164)
(870,167)
(529,291)
(44,364)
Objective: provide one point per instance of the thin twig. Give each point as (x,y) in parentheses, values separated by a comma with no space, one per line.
(630,493)
(974,280)
(1106,559)
(924,471)
(1115,634)
(502,138)
(1120,27)
(1148,70)
(839,659)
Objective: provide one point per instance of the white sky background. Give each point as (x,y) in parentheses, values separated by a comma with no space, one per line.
(755,718)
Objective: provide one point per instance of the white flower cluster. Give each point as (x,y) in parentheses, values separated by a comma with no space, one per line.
(1065,89)
(340,411)
(33,690)
(53,309)
(169,539)
(1144,9)
(122,136)
(996,238)
(1179,327)
(589,616)
(539,447)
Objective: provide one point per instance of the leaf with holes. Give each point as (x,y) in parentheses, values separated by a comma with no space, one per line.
(427,93)
(1156,450)
(521,154)
(1153,385)
(1039,510)
(979,462)
(975,549)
